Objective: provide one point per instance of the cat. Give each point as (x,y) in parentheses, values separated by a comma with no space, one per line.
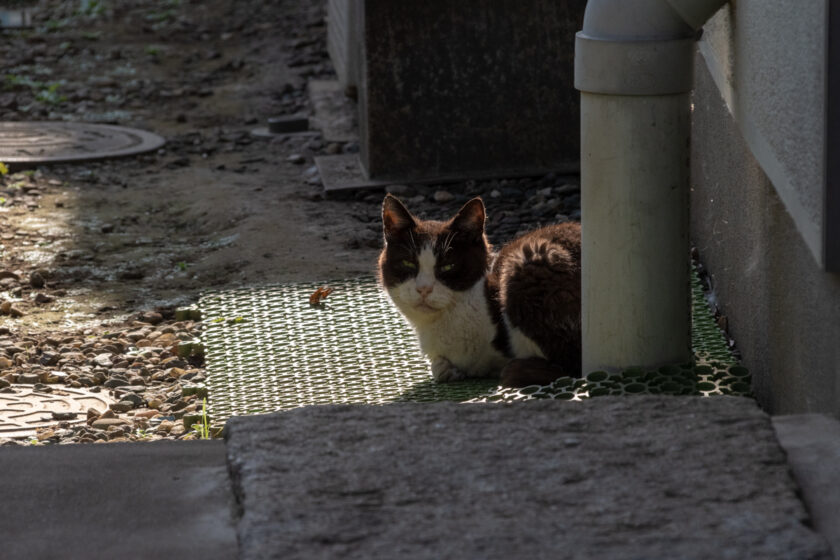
(514,314)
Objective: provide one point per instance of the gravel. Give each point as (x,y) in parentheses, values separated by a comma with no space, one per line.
(139,366)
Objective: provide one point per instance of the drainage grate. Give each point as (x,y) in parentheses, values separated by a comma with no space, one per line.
(33,143)
(267,349)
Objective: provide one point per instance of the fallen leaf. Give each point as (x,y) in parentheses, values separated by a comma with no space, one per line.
(319,295)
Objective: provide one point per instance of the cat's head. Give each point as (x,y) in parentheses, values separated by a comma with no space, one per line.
(426,265)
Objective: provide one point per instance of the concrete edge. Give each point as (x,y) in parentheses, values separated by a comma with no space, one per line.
(812,444)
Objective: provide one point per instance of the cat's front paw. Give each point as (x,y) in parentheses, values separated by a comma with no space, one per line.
(443,370)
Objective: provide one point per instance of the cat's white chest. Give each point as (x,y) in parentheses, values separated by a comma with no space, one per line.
(464,335)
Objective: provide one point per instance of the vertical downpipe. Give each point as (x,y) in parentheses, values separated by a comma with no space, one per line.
(634,69)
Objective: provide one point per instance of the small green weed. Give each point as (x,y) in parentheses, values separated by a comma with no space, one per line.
(203,428)
(50,95)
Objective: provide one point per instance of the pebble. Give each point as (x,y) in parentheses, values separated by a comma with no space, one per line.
(103,360)
(443,196)
(105,423)
(400,190)
(41,298)
(36,280)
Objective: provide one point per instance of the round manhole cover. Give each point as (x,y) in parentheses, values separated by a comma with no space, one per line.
(64,142)
(24,410)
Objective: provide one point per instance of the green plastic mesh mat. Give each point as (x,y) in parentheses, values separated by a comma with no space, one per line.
(268,349)
(713,371)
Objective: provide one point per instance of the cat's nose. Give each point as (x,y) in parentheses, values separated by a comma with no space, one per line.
(424,290)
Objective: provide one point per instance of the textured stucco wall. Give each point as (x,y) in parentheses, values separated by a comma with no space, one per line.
(783,310)
(768,60)
(468,88)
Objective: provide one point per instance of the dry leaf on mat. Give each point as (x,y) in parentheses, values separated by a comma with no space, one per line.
(319,295)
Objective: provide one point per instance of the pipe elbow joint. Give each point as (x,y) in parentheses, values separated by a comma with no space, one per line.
(639,47)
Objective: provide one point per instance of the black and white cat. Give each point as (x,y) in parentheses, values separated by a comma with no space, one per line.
(514,314)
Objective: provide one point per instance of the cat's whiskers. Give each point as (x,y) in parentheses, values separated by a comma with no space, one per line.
(447,243)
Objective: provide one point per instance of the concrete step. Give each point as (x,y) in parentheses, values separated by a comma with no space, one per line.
(612,477)
(127,500)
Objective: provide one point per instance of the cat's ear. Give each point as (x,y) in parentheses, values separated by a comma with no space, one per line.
(395,217)
(470,219)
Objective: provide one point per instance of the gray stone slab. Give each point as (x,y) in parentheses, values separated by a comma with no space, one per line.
(344,172)
(334,113)
(126,500)
(613,477)
(812,443)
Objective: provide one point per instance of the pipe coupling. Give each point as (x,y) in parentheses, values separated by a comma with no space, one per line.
(633,67)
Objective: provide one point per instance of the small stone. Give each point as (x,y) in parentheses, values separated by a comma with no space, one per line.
(41,298)
(64,415)
(108,414)
(107,228)
(5,362)
(105,423)
(400,190)
(152,317)
(495,193)
(165,340)
(46,434)
(166,426)
(122,406)
(49,358)
(36,280)
(6,307)
(443,196)
(103,360)
(297,159)
(176,372)
(29,378)
(134,399)
(15,312)
(4,383)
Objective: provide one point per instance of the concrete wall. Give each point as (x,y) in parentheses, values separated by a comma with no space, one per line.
(756,167)
(485,87)
(767,58)
(343,39)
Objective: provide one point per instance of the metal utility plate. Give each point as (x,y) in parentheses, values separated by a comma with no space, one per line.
(268,349)
(42,142)
(25,409)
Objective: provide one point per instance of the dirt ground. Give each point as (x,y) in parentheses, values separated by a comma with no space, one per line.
(216,206)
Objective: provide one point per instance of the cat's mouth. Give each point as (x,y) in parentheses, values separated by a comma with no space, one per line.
(426,308)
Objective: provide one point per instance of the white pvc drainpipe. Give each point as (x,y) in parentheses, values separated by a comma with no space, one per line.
(634,69)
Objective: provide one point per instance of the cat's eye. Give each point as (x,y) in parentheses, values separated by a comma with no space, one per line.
(447,267)
(409,264)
